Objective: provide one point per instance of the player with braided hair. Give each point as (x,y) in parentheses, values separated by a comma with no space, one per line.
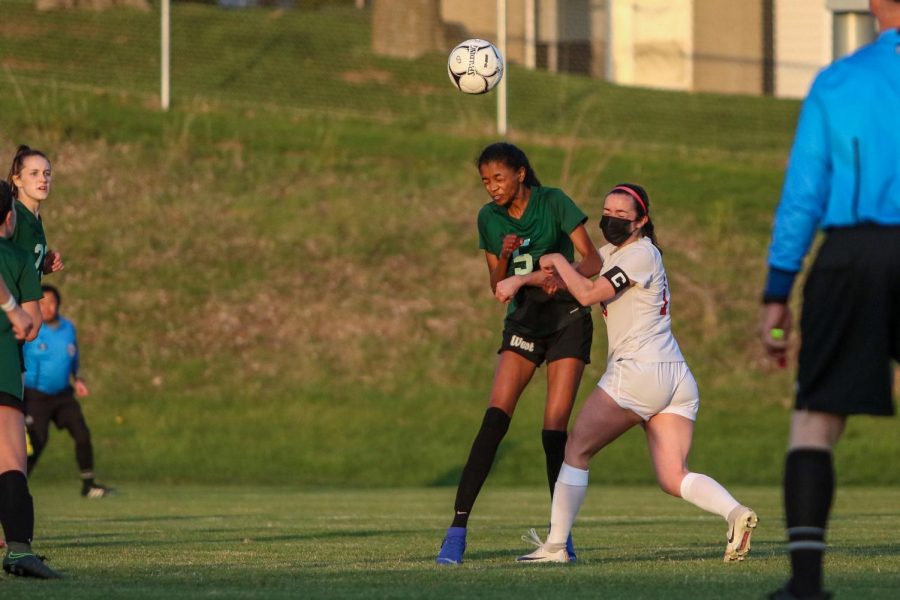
(523,221)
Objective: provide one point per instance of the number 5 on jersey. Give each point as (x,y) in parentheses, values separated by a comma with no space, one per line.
(523,264)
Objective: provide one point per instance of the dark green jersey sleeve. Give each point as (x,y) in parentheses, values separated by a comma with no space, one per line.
(567,212)
(487,231)
(29,283)
(20,276)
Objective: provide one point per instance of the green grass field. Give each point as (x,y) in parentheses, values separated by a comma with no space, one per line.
(192,541)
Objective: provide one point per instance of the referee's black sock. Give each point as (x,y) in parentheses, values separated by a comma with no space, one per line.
(555,453)
(16,509)
(808,492)
(87,480)
(493,427)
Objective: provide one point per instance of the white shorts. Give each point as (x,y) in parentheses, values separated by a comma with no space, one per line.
(649,388)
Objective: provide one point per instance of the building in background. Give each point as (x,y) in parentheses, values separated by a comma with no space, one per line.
(766,47)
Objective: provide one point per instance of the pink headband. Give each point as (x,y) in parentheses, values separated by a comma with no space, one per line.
(634,194)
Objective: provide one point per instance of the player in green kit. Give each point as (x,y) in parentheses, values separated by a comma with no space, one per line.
(30,177)
(544,323)
(21,285)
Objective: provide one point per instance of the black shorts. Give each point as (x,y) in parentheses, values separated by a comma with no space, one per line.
(850,324)
(7,399)
(62,409)
(572,341)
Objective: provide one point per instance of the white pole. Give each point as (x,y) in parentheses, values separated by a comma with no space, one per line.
(501,89)
(530,35)
(164,59)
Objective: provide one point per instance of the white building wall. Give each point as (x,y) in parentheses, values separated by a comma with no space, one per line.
(802,45)
(651,43)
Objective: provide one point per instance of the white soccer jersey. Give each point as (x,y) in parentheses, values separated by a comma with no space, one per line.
(638,324)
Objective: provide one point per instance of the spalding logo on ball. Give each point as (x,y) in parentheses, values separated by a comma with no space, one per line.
(475,66)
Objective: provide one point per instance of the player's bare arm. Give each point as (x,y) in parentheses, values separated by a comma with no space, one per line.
(509,287)
(584,290)
(591,263)
(18,318)
(33,310)
(498,265)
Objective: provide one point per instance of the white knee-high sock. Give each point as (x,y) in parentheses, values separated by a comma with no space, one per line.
(571,486)
(706,493)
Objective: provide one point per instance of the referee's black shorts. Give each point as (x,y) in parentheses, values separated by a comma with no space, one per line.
(850,324)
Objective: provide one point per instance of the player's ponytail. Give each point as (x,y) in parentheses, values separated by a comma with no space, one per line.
(642,205)
(22,152)
(511,156)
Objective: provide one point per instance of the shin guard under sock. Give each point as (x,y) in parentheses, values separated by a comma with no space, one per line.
(493,427)
(808,492)
(16,507)
(554,452)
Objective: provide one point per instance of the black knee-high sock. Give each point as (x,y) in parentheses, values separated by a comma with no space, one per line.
(481,457)
(16,508)
(84,450)
(808,492)
(555,453)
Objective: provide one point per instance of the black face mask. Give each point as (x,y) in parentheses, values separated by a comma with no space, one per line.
(614,229)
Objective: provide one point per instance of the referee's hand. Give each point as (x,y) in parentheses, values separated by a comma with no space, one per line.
(775,327)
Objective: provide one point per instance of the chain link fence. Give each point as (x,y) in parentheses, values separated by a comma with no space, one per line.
(325,56)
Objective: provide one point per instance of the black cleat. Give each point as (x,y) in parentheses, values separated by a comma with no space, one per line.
(26,564)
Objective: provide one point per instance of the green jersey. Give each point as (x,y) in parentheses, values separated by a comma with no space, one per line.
(22,280)
(29,235)
(544,227)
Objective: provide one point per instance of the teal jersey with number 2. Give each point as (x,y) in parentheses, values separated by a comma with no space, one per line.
(29,235)
(544,227)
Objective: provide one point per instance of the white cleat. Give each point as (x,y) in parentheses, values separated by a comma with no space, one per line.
(542,554)
(740,528)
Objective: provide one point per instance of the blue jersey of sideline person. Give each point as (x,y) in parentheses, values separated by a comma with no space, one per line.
(51,359)
(844,162)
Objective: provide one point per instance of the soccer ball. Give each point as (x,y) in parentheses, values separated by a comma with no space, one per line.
(475,66)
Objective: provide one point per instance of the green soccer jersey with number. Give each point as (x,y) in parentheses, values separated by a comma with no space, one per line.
(22,280)
(544,227)
(29,235)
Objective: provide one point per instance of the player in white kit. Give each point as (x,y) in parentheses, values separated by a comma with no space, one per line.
(646,382)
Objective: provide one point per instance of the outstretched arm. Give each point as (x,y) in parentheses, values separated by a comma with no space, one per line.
(498,265)
(584,290)
(591,263)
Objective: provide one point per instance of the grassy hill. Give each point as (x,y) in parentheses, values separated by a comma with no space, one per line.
(279,280)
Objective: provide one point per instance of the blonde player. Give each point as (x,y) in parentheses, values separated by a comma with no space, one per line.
(647,381)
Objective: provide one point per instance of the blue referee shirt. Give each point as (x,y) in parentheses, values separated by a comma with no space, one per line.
(51,359)
(844,168)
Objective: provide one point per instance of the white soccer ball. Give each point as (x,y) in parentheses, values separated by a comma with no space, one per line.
(475,66)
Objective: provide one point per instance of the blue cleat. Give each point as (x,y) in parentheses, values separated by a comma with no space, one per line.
(453,547)
(570,549)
